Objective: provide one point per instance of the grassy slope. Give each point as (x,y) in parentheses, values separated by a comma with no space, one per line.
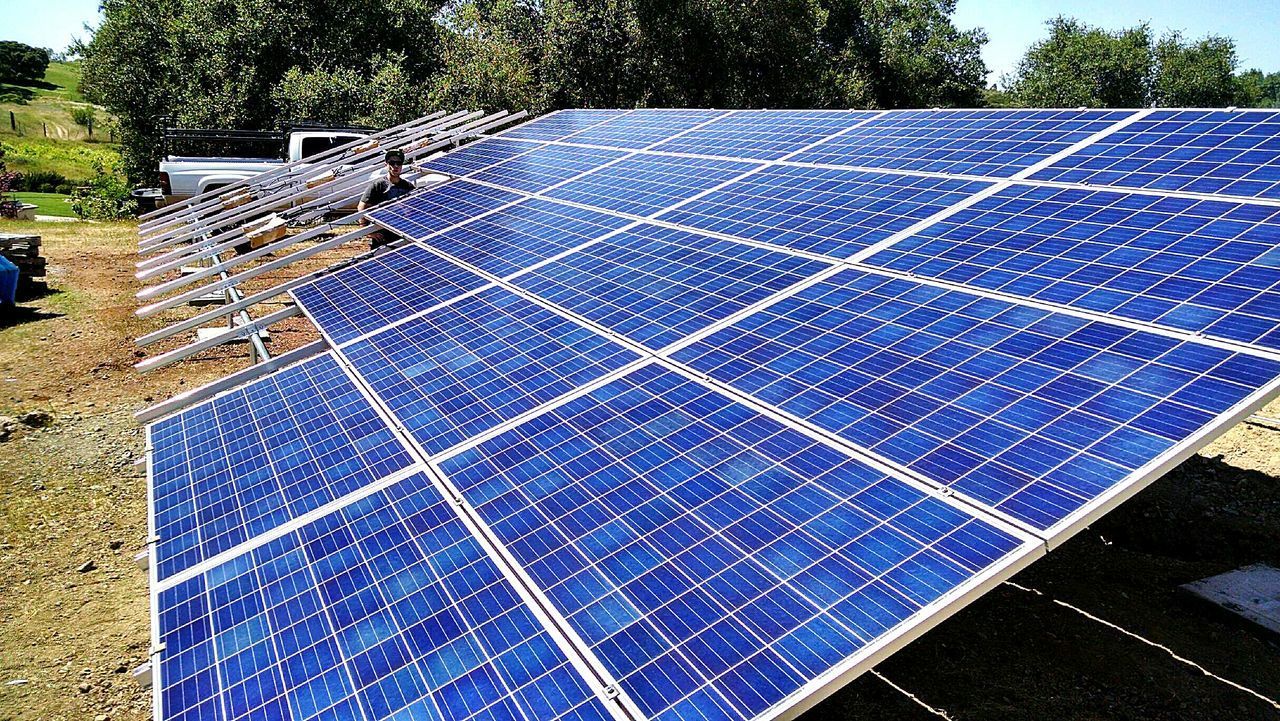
(48,104)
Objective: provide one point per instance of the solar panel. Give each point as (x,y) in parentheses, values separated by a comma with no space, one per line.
(656,285)
(993,143)
(764,134)
(1035,413)
(875,386)
(249,461)
(1206,266)
(645,184)
(387,607)
(641,128)
(1202,151)
(371,294)
(524,234)
(827,211)
(439,207)
(478,156)
(539,169)
(561,123)
(715,560)
(485,359)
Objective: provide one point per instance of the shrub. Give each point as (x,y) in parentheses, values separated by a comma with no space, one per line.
(83,115)
(64,189)
(105,198)
(41,181)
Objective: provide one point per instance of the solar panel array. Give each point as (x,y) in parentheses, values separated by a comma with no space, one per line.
(680,414)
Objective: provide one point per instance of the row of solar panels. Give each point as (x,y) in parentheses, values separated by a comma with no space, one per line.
(648,445)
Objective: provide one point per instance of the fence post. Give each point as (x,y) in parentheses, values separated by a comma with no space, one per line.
(13,122)
(45,126)
(91,127)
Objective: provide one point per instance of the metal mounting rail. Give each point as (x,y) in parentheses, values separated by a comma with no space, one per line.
(177,232)
(249,300)
(336,196)
(163,288)
(231,334)
(160,216)
(150,310)
(253,372)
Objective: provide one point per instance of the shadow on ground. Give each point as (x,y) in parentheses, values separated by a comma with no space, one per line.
(1016,656)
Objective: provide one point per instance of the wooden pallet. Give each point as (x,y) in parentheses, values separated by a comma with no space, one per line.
(13,245)
(24,252)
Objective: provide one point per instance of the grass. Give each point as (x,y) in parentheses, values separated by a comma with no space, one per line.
(45,137)
(72,158)
(48,203)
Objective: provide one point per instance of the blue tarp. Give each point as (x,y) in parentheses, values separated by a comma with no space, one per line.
(8,280)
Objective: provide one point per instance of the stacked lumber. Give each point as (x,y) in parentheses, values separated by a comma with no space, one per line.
(24,252)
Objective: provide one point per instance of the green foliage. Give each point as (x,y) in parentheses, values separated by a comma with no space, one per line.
(902,53)
(323,95)
(246,63)
(105,198)
(22,63)
(489,58)
(1255,89)
(1194,74)
(41,182)
(83,115)
(72,159)
(258,63)
(1079,65)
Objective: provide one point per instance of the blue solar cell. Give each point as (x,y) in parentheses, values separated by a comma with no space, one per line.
(1203,151)
(478,156)
(249,461)
(385,608)
(369,295)
(1204,266)
(764,134)
(657,285)
(485,359)
(827,211)
(994,143)
(517,237)
(1031,412)
(646,184)
(433,210)
(641,128)
(538,170)
(713,559)
(561,123)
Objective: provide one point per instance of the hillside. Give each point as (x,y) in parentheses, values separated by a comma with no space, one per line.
(46,139)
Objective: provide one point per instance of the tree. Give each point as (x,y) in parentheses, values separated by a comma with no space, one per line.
(257,63)
(21,63)
(83,115)
(901,53)
(1079,65)
(490,57)
(1255,89)
(1194,74)
(247,63)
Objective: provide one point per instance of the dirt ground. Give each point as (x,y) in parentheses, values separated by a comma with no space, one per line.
(69,496)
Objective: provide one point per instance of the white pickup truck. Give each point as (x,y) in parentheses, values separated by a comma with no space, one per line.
(184,176)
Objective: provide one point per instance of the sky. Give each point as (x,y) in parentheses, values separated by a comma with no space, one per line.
(1011,25)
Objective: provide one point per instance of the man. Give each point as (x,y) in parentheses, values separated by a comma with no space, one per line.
(382,189)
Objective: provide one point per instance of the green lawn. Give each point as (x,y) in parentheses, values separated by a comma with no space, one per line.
(48,203)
